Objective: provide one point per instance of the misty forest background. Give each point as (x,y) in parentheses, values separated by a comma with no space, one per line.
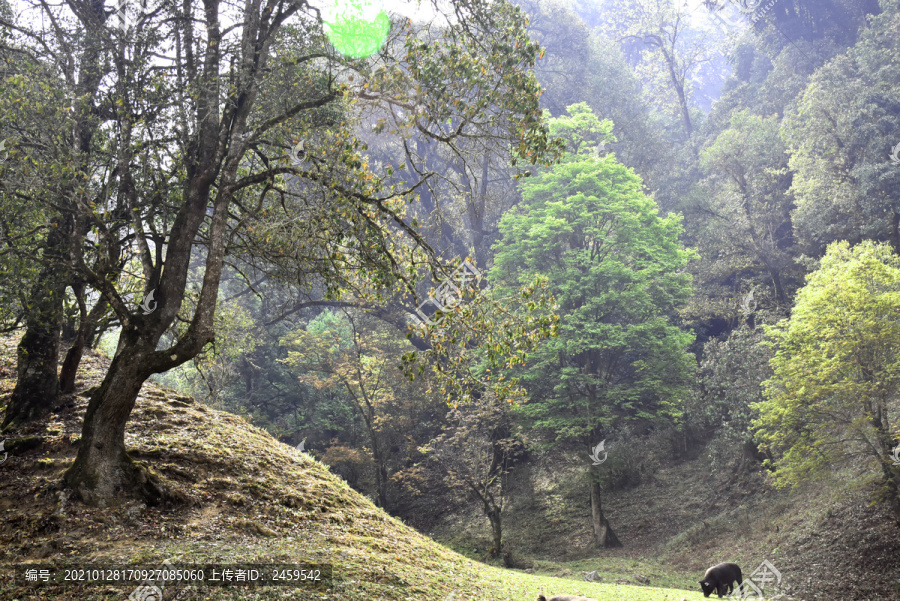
(686,237)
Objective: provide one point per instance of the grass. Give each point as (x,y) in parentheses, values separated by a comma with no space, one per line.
(252,500)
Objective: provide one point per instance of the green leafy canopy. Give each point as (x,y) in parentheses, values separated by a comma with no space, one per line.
(617,269)
(836,373)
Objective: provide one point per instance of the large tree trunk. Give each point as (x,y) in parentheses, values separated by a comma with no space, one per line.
(603,532)
(70,365)
(37,386)
(102,468)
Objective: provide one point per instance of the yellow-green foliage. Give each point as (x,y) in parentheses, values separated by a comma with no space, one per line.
(836,371)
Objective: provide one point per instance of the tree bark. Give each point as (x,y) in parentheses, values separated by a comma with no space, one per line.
(603,532)
(496,531)
(37,386)
(890,473)
(102,468)
(82,339)
(494,513)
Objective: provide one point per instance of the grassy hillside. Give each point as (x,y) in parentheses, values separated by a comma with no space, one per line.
(247,499)
(250,499)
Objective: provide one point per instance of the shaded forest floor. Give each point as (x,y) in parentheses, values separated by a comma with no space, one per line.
(828,541)
(255,500)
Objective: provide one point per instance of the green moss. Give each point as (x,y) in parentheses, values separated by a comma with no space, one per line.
(20,446)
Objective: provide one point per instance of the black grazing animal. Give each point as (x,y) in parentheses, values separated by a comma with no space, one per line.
(720,577)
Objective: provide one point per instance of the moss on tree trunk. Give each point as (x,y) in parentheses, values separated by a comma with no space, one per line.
(37,386)
(102,469)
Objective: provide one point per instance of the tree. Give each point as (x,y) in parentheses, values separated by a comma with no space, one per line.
(617,270)
(731,375)
(46,144)
(475,452)
(335,351)
(836,20)
(664,27)
(199,164)
(833,395)
(581,66)
(741,211)
(841,134)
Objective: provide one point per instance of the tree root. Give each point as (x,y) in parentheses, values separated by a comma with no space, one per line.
(127,480)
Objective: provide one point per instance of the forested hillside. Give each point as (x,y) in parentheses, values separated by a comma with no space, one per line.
(561,284)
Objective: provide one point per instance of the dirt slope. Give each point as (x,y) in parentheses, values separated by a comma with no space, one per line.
(828,541)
